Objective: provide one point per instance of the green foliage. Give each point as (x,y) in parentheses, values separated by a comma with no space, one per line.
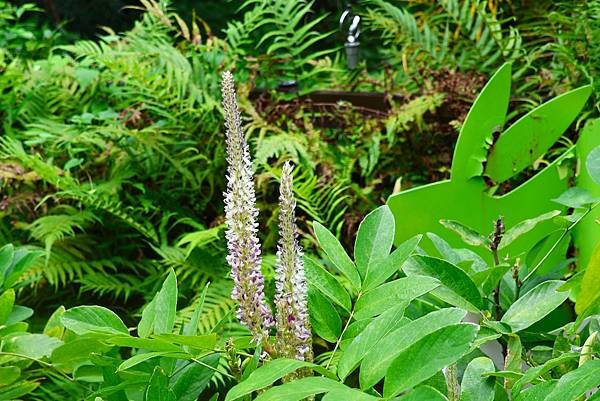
(112,169)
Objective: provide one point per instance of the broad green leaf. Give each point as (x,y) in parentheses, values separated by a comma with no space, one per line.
(327,284)
(268,374)
(384,269)
(54,326)
(538,392)
(146,324)
(457,285)
(302,388)
(158,389)
(422,393)
(15,391)
(207,341)
(7,300)
(374,239)
(590,283)
(18,314)
(86,319)
(35,346)
(575,383)
(390,294)
(22,261)
(593,164)
(354,329)
(88,373)
(377,361)
(6,258)
(139,358)
(348,394)
(191,378)
(7,253)
(336,253)
(325,320)
(69,355)
(486,116)
(369,339)
(489,278)
(524,227)
(158,317)
(166,305)
(534,372)
(535,305)
(519,146)
(427,356)
(467,234)
(8,375)
(147,344)
(475,387)
(576,197)
(513,362)
(190,328)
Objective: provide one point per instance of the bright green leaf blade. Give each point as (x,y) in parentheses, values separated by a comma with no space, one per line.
(369,338)
(337,254)
(146,344)
(428,356)
(146,324)
(534,372)
(268,374)
(374,239)
(325,320)
(535,305)
(86,319)
(7,301)
(390,294)
(73,353)
(466,233)
(592,164)
(390,265)
(300,389)
(487,115)
(158,389)
(538,392)
(326,283)
(524,227)
(166,306)
(377,361)
(531,136)
(489,278)
(8,375)
(474,387)
(590,283)
(35,346)
(191,378)
(139,358)
(423,393)
(575,383)
(458,288)
(576,197)
(348,394)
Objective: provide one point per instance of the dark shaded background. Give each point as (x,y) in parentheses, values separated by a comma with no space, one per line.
(84,17)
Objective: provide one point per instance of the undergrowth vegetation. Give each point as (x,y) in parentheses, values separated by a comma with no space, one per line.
(113,168)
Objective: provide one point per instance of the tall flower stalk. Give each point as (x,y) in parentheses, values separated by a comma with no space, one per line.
(240,213)
(292,320)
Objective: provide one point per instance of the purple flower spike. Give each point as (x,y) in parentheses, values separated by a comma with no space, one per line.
(293,328)
(240,215)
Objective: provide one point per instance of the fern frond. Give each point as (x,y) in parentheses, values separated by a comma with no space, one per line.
(55,227)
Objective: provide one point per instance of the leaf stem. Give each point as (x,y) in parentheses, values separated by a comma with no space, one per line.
(339,340)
